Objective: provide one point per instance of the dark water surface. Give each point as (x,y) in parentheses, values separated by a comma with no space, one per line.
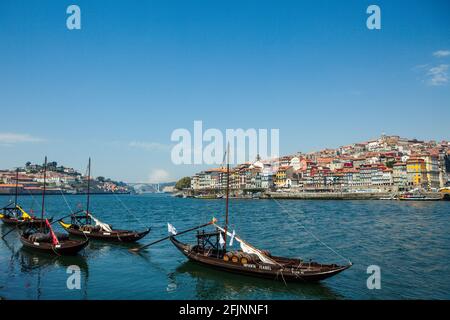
(410,242)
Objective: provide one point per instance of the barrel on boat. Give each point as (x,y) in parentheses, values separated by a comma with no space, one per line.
(237,256)
(227,256)
(249,258)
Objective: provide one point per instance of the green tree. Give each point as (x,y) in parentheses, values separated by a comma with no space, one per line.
(390,164)
(183,183)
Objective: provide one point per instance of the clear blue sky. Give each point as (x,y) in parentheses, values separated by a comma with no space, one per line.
(137,70)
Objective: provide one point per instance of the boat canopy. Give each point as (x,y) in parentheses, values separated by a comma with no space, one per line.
(248,248)
(106,227)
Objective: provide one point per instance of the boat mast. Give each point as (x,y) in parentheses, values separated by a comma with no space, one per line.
(227,197)
(17,187)
(88,188)
(43,195)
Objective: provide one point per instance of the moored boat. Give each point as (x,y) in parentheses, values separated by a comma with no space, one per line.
(86,225)
(211,250)
(445,193)
(271,267)
(86,229)
(417,196)
(14,215)
(22,220)
(63,245)
(44,239)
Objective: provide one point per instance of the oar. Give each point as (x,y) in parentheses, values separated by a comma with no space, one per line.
(165,238)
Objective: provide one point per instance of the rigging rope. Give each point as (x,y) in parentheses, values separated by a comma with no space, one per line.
(312,234)
(126,208)
(33,201)
(65,200)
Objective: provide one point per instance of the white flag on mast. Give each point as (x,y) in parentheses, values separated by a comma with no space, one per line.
(221,241)
(232,238)
(171,229)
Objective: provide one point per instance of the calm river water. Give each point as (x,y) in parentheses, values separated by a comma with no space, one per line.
(410,242)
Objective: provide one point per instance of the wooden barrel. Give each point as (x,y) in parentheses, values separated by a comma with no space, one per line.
(237,257)
(227,256)
(249,258)
(245,258)
(86,228)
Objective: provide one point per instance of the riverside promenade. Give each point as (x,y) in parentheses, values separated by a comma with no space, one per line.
(337,195)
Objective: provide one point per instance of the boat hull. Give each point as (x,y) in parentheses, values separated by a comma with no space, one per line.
(114,236)
(66,247)
(272,272)
(20,222)
(420,199)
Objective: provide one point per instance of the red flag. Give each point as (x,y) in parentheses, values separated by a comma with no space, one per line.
(54,238)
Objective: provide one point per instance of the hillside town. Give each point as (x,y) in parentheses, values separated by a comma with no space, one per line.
(59,179)
(387,164)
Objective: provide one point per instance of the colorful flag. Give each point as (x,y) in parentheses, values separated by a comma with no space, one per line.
(54,238)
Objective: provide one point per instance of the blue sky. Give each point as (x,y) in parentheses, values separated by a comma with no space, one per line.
(116,89)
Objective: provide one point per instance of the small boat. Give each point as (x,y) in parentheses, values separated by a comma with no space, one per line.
(17,216)
(254,262)
(86,225)
(44,242)
(44,239)
(82,226)
(211,250)
(445,192)
(207,196)
(393,197)
(14,215)
(417,196)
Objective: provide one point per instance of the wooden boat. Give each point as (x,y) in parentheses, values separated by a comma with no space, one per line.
(14,215)
(66,247)
(86,229)
(43,239)
(283,269)
(20,221)
(211,250)
(417,196)
(207,196)
(86,225)
(445,193)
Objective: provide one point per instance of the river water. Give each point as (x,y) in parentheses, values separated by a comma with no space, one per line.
(409,241)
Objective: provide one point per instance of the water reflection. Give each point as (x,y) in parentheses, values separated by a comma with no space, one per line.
(37,264)
(216,284)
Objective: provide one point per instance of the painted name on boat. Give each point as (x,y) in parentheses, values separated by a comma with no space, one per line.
(253,266)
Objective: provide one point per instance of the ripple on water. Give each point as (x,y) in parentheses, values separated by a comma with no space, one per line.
(409,241)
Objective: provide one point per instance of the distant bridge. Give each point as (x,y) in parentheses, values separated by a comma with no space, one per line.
(145,186)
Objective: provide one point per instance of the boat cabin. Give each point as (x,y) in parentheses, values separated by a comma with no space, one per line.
(208,244)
